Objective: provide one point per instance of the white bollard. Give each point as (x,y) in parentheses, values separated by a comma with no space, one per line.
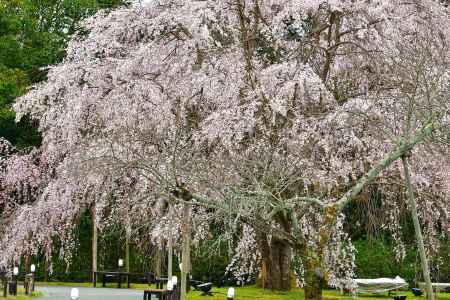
(230,294)
(74,294)
(169,285)
(174,280)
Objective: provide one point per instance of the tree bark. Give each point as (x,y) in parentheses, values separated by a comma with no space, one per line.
(94,241)
(45,268)
(276,264)
(27,263)
(313,285)
(185,259)
(418,231)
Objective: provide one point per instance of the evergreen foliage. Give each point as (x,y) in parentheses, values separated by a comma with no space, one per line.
(33,35)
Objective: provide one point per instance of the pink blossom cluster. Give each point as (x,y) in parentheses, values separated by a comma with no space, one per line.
(265,112)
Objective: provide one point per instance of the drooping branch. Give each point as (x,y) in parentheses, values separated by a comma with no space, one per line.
(404,147)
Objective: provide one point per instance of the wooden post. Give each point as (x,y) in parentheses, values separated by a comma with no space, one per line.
(418,231)
(127,252)
(5,288)
(46,268)
(158,259)
(170,245)
(94,242)
(4,282)
(186,248)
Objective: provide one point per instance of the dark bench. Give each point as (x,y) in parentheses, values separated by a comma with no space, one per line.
(111,276)
(205,288)
(417,292)
(160,282)
(156,294)
(195,283)
(147,278)
(107,276)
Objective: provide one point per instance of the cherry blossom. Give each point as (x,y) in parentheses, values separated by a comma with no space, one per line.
(276,114)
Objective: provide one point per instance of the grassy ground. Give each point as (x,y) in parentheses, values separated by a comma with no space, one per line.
(21,295)
(251,292)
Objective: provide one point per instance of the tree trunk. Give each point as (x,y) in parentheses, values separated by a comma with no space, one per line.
(45,268)
(314,276)
(27,263)
(94,241)
(185,259)
(313,285)
(276,265)
(418,231)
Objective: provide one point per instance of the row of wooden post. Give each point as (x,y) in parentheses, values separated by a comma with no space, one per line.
(186,232)
(11,286)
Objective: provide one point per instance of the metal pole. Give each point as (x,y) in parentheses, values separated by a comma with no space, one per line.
(418,231)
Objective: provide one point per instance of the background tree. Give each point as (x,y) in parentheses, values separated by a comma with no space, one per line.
(34,35)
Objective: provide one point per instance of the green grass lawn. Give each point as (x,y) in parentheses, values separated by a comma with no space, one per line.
(296,294)
(251,292)
(21,295)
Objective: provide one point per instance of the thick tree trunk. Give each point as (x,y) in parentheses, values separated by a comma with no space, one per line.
(418,231)
(94,241)
(276,265)
(313,287)
(313,279)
